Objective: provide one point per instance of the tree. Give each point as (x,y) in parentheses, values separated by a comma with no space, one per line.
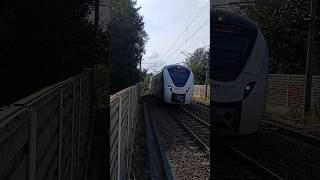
(286,32)
(128,40)
(43,42)
(197,62)
(146,78)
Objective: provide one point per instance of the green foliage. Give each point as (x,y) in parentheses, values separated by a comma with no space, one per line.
(286,32)
(128,40)
(197,62)
(202,99)
(43,42)
(146,79)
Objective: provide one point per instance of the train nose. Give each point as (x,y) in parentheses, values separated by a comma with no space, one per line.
(178,98)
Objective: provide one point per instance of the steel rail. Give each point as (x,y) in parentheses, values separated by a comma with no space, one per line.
(188,112)
(201,102)
(206,147)
(255,163)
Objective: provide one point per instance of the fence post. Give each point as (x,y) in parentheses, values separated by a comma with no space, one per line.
(288,91)
(72,128)
(129,139)
(33,144)
(119,140)
(60,134)
(79,126)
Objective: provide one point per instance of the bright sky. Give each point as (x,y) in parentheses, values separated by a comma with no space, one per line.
(165,21)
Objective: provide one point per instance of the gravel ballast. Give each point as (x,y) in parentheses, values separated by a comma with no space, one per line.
(187,159)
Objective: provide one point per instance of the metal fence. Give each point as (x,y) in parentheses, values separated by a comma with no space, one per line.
(47,135)
(287,91)
(123,118)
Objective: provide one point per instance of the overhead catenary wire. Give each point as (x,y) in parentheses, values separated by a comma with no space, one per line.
(190,37)
(161,61)
(233,3)
(204,46)
(198,42)
(194,33)
(184,31)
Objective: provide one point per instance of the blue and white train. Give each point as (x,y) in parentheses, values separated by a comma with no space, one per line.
(173,84)
(238,72)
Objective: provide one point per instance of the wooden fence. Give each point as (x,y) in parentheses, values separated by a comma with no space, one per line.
(284,93)
(47,135)
(100,77)
(123,118)
(287,92)
(200,91)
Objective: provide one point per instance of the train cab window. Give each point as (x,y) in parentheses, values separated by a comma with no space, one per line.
(179,75)
(231,50)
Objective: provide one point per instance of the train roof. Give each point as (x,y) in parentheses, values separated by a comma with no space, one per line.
(175,66)
(170,66)
(223,17)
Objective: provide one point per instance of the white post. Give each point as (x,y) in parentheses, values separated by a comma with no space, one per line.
(33,145)
(130,138)
(72,128)
(60,134)
(119,140)
(288,86)
(79,125)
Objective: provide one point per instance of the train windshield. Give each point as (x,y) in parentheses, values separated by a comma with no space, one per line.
(231,50)
(179,75)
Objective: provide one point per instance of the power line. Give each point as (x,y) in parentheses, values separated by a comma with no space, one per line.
(194,33)
(234,3)
(204,46)
(148,63)
(190,37)
(202,40)
(184,30)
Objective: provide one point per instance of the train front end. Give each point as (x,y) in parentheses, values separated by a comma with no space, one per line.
(177,84)
(238,70)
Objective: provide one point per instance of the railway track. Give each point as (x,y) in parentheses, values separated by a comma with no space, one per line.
(298,130)
(195,126)
(233,164)
(229,162)
(273,147)
(158,161)
(180,156)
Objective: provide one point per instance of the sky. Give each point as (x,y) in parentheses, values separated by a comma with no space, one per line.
(171,30)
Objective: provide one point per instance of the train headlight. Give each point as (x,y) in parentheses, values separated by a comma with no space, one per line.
(187,89)
(248,88)
(170,88)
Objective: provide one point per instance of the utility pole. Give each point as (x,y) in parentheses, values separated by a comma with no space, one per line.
(206,80)
(310,55)
(96,19)
(207,67)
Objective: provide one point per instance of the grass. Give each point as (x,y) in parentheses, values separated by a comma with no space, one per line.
(202,98)
(293,115)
